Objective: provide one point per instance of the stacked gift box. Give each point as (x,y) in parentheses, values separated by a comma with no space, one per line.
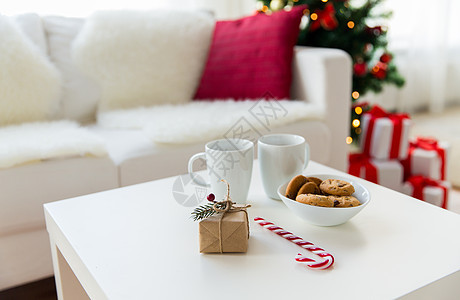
(387,157)
(425,171)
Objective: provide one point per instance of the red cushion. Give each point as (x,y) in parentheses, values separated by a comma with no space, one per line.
(250,58)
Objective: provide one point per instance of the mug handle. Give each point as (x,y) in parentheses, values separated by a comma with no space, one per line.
(195,178)
(307,155)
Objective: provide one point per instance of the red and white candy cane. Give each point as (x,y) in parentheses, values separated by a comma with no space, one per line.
(311,263)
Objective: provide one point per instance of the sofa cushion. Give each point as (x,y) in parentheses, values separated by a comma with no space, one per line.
(203,121)
(251,57)
(24,189)
(32,142)
(80,94)
(144,58)
(25,256)
(141,160)
(123,144)
(32,26)
(29,83)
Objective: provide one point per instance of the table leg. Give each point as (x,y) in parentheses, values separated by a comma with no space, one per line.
(67,285)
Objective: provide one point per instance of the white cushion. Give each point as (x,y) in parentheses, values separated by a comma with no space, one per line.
(29,82)
(31,25)
(80,95)
(140,160)
(31,142)
(123,144)
(142,58)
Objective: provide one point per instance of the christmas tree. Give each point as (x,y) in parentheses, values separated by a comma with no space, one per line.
(338,24)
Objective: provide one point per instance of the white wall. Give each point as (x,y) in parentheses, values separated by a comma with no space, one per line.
(424,35)
(223,9)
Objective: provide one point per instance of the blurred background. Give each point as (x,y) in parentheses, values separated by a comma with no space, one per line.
(423,36)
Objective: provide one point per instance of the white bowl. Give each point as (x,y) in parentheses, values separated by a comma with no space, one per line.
(327,216)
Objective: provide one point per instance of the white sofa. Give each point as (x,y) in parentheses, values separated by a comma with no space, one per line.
(321,77)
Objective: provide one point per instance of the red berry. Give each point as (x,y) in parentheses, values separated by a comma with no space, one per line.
(211,197)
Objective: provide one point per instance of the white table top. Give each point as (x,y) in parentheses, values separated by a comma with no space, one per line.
(139,243)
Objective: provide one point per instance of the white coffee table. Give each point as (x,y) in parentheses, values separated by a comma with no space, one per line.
(139,243)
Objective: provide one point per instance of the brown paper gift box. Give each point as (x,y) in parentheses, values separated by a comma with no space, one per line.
(235,233)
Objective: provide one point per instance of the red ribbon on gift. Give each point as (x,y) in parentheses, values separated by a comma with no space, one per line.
(397,119)
(359,160)
(420,182)
(428,144)
(326,18)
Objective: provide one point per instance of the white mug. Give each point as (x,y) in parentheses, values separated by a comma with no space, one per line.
(229,159)
(281,157)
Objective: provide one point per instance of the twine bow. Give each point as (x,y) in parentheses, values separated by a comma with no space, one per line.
(229,207)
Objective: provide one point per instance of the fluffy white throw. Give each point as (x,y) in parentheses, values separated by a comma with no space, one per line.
(142,58)
(30,142)
(29,82)
(203,120)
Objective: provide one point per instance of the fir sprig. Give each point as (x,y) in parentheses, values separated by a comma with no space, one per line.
(206,210)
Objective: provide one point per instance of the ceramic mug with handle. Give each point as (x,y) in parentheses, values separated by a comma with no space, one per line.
(229,159)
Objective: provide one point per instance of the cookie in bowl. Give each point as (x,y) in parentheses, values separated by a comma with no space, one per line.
(323,209)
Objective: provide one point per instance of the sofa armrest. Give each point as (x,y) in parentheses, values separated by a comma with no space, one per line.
(323,76)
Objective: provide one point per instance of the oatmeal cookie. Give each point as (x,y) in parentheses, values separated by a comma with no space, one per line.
(345,201)
(294,186)
(316,200)
(337,187)
(309,188)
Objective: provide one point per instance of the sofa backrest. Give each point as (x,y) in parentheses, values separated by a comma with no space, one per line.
(30,84)
(80,95)
(144,58)
(53,37)
(31,24)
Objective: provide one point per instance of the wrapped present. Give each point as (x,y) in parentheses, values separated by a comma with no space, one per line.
(388,173)
(426,157)
(385,135)
(224,226)
(228,232)
(432,191)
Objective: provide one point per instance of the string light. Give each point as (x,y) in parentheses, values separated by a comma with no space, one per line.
(349,140)
(356,123)
(351,24)
(375,69)
(324,1)
(358,110)
(265,8)
(314,16)
(358,130)
(355,95)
